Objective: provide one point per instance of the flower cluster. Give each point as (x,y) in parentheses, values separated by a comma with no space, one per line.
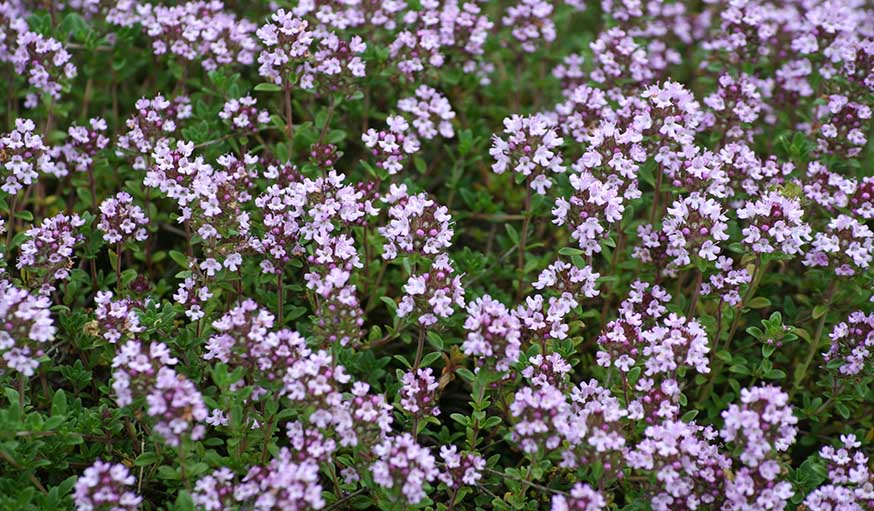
(153,120)
(23,155)
(27,327)
(493,333)
(589,211)
(430,295)
(852,342)
(774,224)
(106,486)
(431,113)
(463,468)
(286,41)
(200,30)
(44,60)
(84,144)
(393,146)
(243,114)
(48,251)
(846,245)
(417,225)
(849,478)
(761,426)
(529,147)
(404,467)
(121,220)
(117,319)
(418,393)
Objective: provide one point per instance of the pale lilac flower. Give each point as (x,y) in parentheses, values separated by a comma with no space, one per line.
(404,467)
(431,113)
(243,114)
(105,487)
(529,146)
(431,295)
(774,224)
(852,343)
(418,393)
(27,327)
(493,333)
(122,220)
(460,469)
(582,498)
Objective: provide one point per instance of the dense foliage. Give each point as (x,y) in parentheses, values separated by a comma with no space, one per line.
(438,254)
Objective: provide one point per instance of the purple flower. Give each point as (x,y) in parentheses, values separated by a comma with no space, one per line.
(774,224)
(106,487)
(530,22)
(48,250)
(23,155)
(393,146)
(122,220)
(431,295)
(44,60)
(431,113)
(177,408)
(116,319)
(537,414)
(27,326)
(852,343)
(418,393)
(493,333)
(243,114)
(417,225)
(530,147)
(582,498)
(404,467)
(589,211)
(460,469)
(287,40)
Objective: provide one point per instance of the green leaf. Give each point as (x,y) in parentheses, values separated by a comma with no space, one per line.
(512,233)
(146,459)
(59,403)
(430,358)
(180,258)
(25,215)
(759,302)
(267,87)
(465,373)
(392,306)
(460,418)
(690,415)
(570,251)
(183,502)
(819,311)
(435,340)
(775,374)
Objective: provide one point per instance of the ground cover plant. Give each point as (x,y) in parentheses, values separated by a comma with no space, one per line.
(449,255)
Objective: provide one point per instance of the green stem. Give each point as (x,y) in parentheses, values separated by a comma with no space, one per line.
(814,345)
(523,241)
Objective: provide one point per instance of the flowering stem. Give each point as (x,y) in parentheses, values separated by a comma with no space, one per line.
(288,118)
(10,226)
(754,283)
(814,345)
(279,299)
(331,106)
(420,349)
(117,266)
(655,196)
(695,291)
(523,241)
